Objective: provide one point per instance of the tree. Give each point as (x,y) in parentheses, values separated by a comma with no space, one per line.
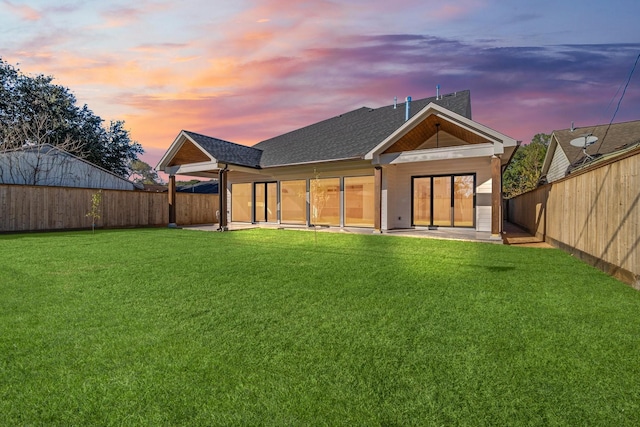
(28,102)
(29,155)
(143,173)
(523,173)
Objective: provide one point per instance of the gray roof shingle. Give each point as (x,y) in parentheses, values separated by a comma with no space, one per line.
(350,135)
(347,136)
(228,152)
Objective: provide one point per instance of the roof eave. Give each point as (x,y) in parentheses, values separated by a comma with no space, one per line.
(311,162)
(499,139)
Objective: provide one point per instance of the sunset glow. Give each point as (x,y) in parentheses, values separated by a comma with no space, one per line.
(253,69)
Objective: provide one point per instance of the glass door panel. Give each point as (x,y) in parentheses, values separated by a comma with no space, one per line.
(358,201)
(266,201)
(442,201)
(293,202)
(272,202)
(241,202)
(261,198)
(325,201)
(463,189)
(422,201)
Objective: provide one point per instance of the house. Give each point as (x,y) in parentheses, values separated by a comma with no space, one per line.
(203,187)
(419,164)
(603,141)
(50,166)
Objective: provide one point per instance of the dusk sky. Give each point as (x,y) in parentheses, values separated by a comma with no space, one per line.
(247,70)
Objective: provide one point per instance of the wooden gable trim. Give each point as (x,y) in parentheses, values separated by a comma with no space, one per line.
(417,130)
(189,153)
(432,127)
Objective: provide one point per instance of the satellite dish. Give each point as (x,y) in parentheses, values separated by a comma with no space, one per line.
(583,141)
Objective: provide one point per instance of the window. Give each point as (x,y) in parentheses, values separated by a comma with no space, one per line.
(325,201)
(241,202)
(359,201)
(293,202)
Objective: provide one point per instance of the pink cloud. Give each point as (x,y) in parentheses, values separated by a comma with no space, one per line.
(23,11)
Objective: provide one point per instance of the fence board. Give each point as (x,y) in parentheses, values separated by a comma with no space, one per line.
(593,214)
(34,208)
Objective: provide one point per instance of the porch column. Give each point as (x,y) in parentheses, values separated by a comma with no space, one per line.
(377,200)
(172,201)
(222,194)
(496,196)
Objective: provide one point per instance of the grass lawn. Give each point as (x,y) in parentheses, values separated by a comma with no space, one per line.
(270,327)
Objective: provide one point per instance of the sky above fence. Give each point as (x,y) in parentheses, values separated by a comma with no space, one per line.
(248,70)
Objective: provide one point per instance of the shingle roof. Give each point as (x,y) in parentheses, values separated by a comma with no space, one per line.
(612,138)
(347,136)
(228,152)
(350,135)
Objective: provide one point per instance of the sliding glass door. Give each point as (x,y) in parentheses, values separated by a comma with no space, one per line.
(266,201)
(446,201)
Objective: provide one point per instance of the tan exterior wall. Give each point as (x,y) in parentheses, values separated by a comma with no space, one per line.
(399,188)
(396,184)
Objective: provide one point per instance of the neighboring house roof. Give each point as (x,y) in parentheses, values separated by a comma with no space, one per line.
(47,164)
(348,136)
(205,187)
(562,157)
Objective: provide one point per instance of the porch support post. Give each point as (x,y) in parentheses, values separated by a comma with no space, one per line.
(496,196)
(222,194)
(172,201)
(377,200)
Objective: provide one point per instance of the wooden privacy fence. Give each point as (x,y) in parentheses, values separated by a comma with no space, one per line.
(593,214)
(33,208)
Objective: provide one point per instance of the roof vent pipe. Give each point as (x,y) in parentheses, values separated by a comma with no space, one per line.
(407,109)
(395,102)
(572,127)
(437,92)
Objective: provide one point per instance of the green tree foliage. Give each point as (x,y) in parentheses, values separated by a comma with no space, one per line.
(143,173)
(523,173)
(29,100)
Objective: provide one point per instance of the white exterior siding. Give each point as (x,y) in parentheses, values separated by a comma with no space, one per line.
(558,166)
(399,215)
(483,202)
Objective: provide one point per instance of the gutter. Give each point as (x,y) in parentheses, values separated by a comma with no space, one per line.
(313,162)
